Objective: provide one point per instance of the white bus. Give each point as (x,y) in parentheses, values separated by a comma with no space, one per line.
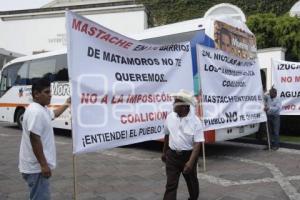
(17,75)
(15,86)
(195,32)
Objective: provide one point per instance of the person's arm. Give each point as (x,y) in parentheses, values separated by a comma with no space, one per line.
(165,148)
(62,108)
(37,148)
(194,156)
(266,102)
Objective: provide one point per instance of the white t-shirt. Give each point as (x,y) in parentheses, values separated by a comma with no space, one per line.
(37,119)
(183,132)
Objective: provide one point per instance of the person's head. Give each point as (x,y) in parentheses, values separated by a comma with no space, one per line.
(181,108)
(225,40)
(273,93)
(183,101)
(41,92)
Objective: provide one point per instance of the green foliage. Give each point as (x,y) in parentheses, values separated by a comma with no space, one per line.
(262,25)
(170,11)
(287,31)
(272,31)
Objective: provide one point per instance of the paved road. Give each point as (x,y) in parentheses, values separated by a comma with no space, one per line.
(234,172)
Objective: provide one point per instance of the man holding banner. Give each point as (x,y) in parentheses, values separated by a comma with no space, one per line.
(183,134)
(37,151)
(272,109)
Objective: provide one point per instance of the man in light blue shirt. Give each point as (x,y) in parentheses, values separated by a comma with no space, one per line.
(272,108)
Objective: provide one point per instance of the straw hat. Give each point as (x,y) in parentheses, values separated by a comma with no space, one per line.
(185,96)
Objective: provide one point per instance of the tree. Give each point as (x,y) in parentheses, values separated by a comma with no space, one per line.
(162,12)
(287,32)
(273,31)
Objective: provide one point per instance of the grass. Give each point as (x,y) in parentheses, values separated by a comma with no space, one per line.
(287,138)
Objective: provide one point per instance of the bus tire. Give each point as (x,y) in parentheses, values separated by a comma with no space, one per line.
(19,117)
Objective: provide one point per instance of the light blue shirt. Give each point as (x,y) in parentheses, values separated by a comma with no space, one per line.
(274,105)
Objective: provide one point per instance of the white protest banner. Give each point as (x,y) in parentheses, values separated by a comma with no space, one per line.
(286,79)
(231,89)
(120,87)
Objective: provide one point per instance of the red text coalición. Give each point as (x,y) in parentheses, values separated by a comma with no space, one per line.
(143,117)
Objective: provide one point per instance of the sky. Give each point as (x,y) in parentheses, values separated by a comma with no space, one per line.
(6,5)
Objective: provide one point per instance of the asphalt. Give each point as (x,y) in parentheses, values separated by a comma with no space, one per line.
(234,171)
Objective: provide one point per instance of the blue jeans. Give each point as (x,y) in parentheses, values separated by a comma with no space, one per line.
(38,186)
(274,127)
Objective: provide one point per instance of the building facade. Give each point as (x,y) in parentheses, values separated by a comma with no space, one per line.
(39,30)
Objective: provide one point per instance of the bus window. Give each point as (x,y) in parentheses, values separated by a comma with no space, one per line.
(42,68)
(3,86)
(61,68)
(13,75)
(21,78)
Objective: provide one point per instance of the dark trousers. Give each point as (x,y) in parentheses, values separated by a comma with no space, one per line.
(174,167)
(274,128)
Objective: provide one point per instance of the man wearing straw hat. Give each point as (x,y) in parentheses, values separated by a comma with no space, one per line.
(183,136)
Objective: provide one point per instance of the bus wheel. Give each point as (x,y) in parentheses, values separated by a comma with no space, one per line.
(19,117)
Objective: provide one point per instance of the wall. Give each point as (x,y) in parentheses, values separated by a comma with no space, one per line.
(264,58)
(40,33)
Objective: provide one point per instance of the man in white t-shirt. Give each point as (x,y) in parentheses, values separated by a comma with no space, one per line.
(183,137)
(37,151)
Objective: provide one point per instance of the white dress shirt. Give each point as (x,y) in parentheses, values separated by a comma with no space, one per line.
(183,132)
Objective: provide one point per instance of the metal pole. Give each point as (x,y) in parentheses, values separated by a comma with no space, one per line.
(203,157)
(74,161)
(267,127)
(74,178)
(268,136)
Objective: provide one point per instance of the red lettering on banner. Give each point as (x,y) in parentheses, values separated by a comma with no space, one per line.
(104,99)
(286,79)
(289,107)
(98,33)
(84,28)
(87,98)
(92,31)
(149,98)
(117,99)
(76,24)
(143,117)
(105,37)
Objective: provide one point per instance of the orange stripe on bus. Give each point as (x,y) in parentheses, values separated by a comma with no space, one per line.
(13,105)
